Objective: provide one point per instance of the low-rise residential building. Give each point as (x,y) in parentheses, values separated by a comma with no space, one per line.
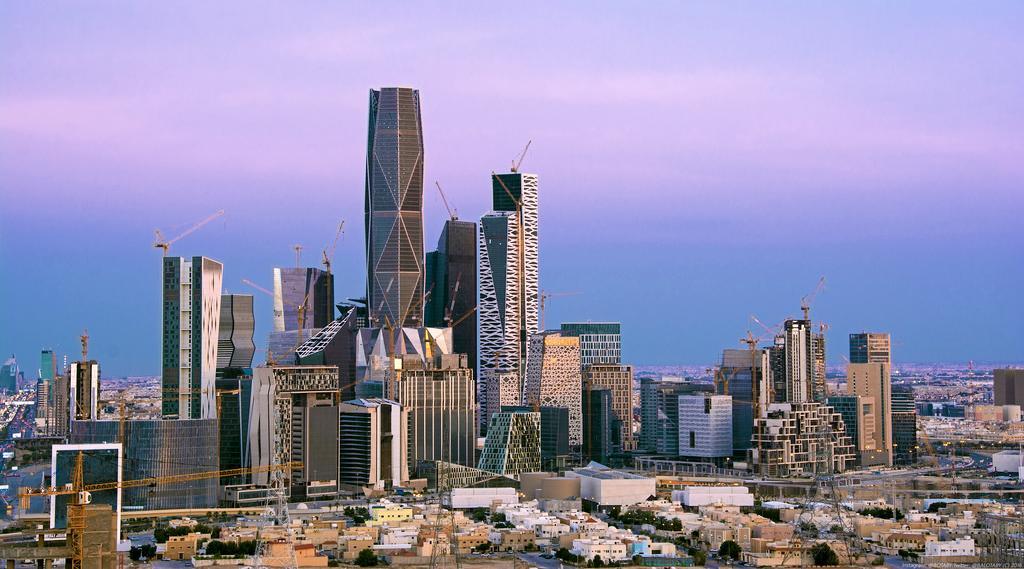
(181,547)
(607,549)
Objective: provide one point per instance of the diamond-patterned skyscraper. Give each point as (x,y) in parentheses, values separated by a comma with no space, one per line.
(394,208)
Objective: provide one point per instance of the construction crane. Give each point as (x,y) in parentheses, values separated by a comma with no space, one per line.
(328,258)
(808,299)
(453,214)
(81,495)
(298,255)
(544,297)
(258,287)
(84,338)
(165,244)
(519,161)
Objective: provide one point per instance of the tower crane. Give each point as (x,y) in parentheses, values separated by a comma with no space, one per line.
(328,258)
(808,299)
(519,161)
(165,244)
(258,287)
(84,338)
(298,255)
(545,297)
(453,214)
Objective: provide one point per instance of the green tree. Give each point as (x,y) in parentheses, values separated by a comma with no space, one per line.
(597,562)
(135,553)
(729,549)
(823,555)
(366,558)
(699,557)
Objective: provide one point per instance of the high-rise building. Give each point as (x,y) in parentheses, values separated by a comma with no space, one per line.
(47,365)
(800,439)
(394,209)
(799,361)
(870,348)
(600,342)
(748,383)
(1008,387)
(308,288)
(85,390)
(904,426)
(43,407)
(554,435)
(234,397)
(335,345)
(294,418)
(235,346)
(705,426)
(191,334)
(451,285)
(873,381)
(659,412)
(373,445)
(9,375)
(818,382)
(619,379)
(858,414)
(553,378)
(512,446)
(597,424)
(509,295)
(503,389)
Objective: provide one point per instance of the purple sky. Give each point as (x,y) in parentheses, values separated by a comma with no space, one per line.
(698,163)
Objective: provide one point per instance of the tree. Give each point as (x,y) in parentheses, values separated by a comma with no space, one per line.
(836,529)
(483,547)
(729,549)
(699,557)
(808,527)
(366,558)
(135,553)
(934,507)
(823,555)
(597,562)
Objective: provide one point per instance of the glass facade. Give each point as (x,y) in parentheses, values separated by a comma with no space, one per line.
(298,286)
(870,348)
(235,346)
(155,448)
(99,465)
(904,425)
(451,285)
(597,425)
(394,208)
(600,342)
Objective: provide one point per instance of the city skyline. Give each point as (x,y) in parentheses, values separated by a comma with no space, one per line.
(901,190)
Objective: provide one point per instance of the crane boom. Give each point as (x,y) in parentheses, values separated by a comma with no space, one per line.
(165,244)
(808,299)
(328,258)
(258,287)
(452,214)
(519,161)
(545,296)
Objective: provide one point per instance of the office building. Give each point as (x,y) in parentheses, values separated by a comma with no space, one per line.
(294,418)
(858,414)
(303,298)
(600,342)
(598,422)
(619,379)
(234,397)
(1008,387)
(9,375)
(746,372)
(799,361)
(394,209)
(504,390)
(705,426)
(101,464)
(451,286)
(512,446)
(191,334)
(509,295)
(553,378)
(235,346)
(335,345)
(870,348)
(373,445)
(554,435)
(904,426)
(873,381)
(156,448)
(43,407)
(59,417)
(796,439)
(659,412)
(47,365)
(85,390)
(776,376)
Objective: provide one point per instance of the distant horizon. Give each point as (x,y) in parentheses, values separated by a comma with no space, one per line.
(708,165)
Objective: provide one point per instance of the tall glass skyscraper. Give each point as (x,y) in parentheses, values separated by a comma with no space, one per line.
(394,208)
(235,347)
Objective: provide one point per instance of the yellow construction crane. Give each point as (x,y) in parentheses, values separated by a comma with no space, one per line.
(165,244)
(328,258)
(544,297)
(519,161)
(453,214)
(808,299)
(82,495)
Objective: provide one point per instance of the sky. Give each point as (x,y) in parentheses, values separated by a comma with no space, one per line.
(699,162)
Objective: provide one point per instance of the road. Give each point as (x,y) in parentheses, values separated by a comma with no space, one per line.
(535,560)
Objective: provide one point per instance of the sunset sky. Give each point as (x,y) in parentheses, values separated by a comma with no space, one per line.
(698,162)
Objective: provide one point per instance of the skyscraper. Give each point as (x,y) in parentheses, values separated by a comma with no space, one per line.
(904,425)
(47,365)
(859,419)
(619,379)
(9,375)
(870,348)
(308,287)
(872,380)
(191,333)
(600,342)
(512,446)
(553,378)
(509,293)
(85,390)
(818,386)
(373,443)
(394,208)
(597,424)
(235,346)
(799,361)
(745,372)
(451,285)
